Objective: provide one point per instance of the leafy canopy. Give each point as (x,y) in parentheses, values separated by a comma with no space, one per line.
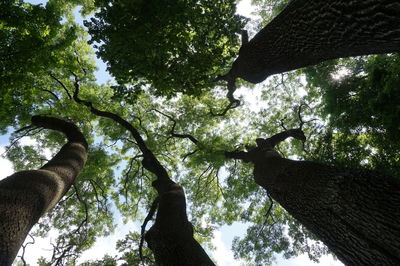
(173,46)
(362,108)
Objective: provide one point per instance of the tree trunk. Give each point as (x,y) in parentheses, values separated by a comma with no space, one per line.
(171,236)
(26,195)
(308,32)
(356,213)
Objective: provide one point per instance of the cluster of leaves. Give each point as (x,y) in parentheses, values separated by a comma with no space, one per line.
(178,46)
(362,108)
(268,9)
(30,37)
(35,46)
(276,233)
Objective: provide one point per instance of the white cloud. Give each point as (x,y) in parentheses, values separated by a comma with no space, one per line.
(245,8)
(106,245)
(222,254)
(25,141)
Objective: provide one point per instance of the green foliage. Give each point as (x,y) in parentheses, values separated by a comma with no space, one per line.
(270,235)
(64,7)
(29,35)
(179,46)
(129,250)
(268,9)
(363,111)
(34,45)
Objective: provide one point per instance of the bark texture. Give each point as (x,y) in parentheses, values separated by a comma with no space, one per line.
(308,32)
(356,213)
(26,195)
(171,236)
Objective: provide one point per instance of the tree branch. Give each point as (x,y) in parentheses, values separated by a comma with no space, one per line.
(188,154)
(22,256)
(143,228)
(241,155)
(296,133)
(70,130)
(62,85)
(172,131)
(233,102)
(149,162)
(267,213)
(52,93)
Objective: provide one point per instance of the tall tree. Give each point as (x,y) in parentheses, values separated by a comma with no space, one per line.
(309,32)
(171,236)
(27,195)
(353,211)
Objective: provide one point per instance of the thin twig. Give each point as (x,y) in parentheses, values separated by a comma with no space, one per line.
(267,214)
(79,62)
(189,154)
(52,93)
(27,133)
(86,219)
(149,216)
(24,247)
(62,85)
(172,130)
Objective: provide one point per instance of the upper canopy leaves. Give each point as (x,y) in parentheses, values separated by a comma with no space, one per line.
(176,46)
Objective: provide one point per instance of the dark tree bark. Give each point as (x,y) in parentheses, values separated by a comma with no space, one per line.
(171,236)
(356,213)
(308,32)
(26,195)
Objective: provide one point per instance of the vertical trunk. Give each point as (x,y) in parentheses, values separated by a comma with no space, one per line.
(171,236)
(26,195)
(309,32)
(356,213)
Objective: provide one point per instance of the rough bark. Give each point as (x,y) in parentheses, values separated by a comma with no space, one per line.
(26,195)
(171,236)
(356,213)
(308,32)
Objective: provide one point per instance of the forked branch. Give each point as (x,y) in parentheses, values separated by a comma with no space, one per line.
(172,130)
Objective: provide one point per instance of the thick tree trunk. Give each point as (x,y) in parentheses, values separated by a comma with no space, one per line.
(171,236)
(308,32)
(26,195)
(356,213)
